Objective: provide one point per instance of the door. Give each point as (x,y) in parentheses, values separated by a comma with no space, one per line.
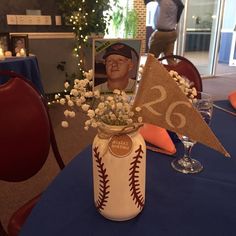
(199,33)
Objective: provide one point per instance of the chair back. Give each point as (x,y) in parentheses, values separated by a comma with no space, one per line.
(185,68)
(25,130)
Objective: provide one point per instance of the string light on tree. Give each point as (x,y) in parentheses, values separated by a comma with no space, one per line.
(86,18)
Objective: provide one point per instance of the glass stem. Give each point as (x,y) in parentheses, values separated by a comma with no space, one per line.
(187,151)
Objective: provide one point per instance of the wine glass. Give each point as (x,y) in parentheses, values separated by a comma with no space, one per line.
(186,164)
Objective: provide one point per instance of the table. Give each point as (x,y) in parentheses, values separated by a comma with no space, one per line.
(176,204)
(26,66)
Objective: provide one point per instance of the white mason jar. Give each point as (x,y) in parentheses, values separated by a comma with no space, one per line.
(119,171)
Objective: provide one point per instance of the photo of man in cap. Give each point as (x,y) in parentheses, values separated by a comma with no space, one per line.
(120,62)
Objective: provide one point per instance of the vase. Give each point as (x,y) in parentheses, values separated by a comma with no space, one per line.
(119,171)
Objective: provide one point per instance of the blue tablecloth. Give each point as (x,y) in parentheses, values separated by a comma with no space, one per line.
(176,204)
(26,66)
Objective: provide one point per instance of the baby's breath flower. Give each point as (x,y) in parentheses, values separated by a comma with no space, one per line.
(72,114)
(96,93)
(78,102)
(82,99)
(119,105)
(85,107)
(66,113)
(88,94)
(113,116)
(74,92)
(116,91)
(76,81)
(140,119)
(62,101)
(70,103)
(67,97)
(94,124)
(185,85)
(101,105)
(87,122)
(129,121)
(91,113)
(110,98)
(66,85)
(131,113)
(64,124)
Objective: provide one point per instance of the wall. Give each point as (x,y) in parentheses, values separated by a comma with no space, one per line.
(18,7)
(52,50)
(141,34)
(51,44)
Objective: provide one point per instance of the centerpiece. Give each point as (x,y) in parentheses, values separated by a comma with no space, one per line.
(118,150)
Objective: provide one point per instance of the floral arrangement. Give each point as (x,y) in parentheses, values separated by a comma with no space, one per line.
(185,85)
(115,109)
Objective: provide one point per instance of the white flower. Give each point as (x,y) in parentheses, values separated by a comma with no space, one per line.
(185,85)
(91,113)
(72,114)
(74,92)
(97,111)
(131,113)
(88,94)
(76,81)
(194,91)
(66,113)
(138,109)
(96,93)
(113,116)
(109,98)
(85,107)
(64,124)
(66,85)
(94,125)
(70,103)
(62,101)
(129,121)
(119,105)
(101,105)
(117,91)
(140,119)
(87,122)
(67,97)
(78,102)
(82,99)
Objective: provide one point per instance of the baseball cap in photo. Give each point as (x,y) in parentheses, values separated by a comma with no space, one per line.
(118,49)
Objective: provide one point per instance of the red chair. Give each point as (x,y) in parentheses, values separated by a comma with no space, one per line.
(26,134)
(184,67)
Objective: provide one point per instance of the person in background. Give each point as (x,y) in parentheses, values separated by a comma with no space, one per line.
(166,18)
(119,65)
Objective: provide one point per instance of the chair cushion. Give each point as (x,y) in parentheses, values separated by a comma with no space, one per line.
(25,131)
(18,218)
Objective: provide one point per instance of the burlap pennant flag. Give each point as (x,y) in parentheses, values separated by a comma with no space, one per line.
(164,104)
